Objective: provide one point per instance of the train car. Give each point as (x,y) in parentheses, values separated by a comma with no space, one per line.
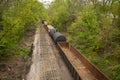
(78,65)
(51,30)
(58,37)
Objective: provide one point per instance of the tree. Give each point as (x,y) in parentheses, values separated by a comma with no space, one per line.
(16,17)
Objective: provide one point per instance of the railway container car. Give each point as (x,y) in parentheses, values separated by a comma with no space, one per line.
(58,37)
(51,30)
(78,65)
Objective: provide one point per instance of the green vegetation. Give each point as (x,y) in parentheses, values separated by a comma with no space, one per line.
(93,27)
(16,17)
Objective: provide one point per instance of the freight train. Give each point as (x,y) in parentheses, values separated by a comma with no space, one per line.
(78,65)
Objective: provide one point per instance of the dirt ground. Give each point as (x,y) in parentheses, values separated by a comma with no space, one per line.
(17,67)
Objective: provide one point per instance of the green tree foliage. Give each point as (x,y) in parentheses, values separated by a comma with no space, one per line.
(85,27)
(60,14)
(16,16)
